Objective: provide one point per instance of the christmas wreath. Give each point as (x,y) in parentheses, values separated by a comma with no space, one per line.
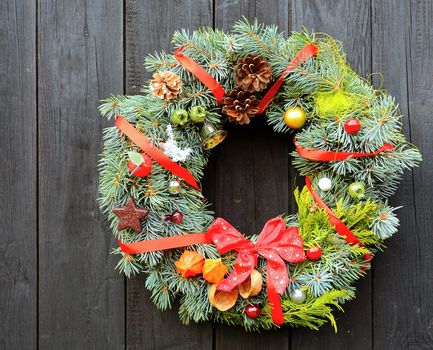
(349,147)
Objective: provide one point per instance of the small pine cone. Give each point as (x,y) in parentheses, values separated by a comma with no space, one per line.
(166,85)
(253,73)
(240,106)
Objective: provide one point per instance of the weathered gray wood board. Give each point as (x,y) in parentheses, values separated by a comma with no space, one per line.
(81,299)
(402,276)
(18,176)
(57,284)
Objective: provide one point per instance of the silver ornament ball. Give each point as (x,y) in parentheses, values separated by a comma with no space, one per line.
(297,296)
(174,187)
(325,184)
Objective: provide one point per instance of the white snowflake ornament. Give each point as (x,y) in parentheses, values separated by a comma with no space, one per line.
(172,150)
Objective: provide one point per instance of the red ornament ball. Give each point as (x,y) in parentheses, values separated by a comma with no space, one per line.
(253,311)
(314,253)
(176,217)
(352,126)
(143,169)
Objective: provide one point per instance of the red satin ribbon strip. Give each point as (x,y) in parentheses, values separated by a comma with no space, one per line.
(332,156)
(155,153)
(165,243)
(339,225)
(275,303)
(197,70)
(300,57)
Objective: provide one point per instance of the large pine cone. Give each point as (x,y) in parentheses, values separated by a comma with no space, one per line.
(240,106)
(253,73)
(166,85)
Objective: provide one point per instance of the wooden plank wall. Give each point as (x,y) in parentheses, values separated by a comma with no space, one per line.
(80,60)
(58,288)
(18,176)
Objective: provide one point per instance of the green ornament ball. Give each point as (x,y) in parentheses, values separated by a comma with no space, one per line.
(179,116)
(197,114)
(357,190)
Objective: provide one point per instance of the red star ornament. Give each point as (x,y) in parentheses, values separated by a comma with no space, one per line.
(130,216)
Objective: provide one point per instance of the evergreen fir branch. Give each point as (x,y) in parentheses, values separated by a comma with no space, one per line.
(386,223)
(159,61)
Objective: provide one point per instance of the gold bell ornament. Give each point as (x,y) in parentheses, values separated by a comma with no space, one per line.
(210,136)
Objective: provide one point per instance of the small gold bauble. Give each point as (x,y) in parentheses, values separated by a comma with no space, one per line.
(295,117)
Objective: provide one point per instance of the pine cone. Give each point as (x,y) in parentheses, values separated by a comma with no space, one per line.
(240,106)
(253,73)
(166,85)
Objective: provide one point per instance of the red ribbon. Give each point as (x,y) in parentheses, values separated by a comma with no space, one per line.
(339,225)
(218,91)
(276,243)
(300,57)
(155,153)
(165,243)
(332,156)
(197,70)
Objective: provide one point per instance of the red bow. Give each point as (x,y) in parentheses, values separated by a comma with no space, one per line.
(275,243)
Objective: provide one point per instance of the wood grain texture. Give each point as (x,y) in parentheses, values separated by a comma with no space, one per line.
(81,297)
(275,12)
(350,22)
(149,28)
(251,171)
(18,184)
(403,278)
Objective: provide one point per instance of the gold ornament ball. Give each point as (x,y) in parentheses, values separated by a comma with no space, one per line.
(295,117)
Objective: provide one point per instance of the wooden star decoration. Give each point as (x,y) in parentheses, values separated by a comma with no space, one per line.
(130,216)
